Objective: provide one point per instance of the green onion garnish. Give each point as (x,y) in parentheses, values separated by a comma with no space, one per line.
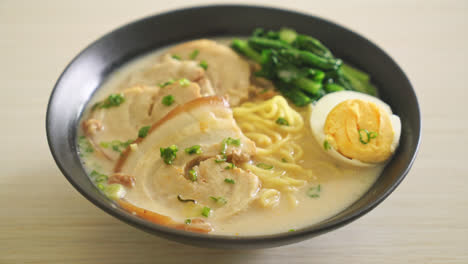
(195,149)
(231,181)
(168,100)
(204,65)
(162,85)
(219,200)
(194,54)
(188,221)
(177,57)
(314,192)
(184,81)
(370,135)
(169,154)
(193,176)
(326,145)
(116,145)
(85,145)
(206,211)
(282,122)
(230,166)
(143,132)
(112,101)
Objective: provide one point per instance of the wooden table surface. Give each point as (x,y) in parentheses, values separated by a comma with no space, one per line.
(43,219)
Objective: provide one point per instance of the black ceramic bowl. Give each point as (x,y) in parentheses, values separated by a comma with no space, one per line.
(93,65)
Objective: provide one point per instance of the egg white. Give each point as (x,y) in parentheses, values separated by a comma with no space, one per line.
(322,108)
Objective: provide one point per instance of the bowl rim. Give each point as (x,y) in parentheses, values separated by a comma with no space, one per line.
(275,239)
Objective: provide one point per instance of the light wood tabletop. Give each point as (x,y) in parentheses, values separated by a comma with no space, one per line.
(43,219)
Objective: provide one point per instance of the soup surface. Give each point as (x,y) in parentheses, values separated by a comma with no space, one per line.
(189,138)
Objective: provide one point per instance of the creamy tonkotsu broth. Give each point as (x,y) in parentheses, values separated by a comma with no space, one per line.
(188,138)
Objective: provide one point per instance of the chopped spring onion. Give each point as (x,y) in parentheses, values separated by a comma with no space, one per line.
(188,221)
(368,135)
(206,211)
(85,145)
(314,192)
(230,166)
(194,54)
(143,132)
(184,81)
(116,145)
(112,101)
(219,200)
(114,191)
(282,122)
(231,181)
(204,65)
(195,149)
(177,57)
(193,176)
(326,145)
(162,85)
(169,154)
(168,100)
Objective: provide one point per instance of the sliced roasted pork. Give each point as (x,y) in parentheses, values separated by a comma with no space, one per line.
(228,72)
(170,69)
(112,129)
(203,178)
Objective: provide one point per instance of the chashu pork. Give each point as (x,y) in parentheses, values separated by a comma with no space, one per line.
(142,107)
(206,122)
(228,73)
(170,69)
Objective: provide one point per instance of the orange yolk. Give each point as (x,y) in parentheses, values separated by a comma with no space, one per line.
(360,130)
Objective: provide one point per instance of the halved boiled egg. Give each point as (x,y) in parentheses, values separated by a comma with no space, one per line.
(355,128)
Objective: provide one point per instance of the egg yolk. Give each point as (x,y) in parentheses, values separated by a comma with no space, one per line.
(360,130)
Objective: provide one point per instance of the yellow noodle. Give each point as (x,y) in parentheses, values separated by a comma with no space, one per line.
(276,147)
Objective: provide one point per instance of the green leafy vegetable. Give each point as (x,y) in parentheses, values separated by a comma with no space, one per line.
(169,154)
(143,132)
(206,211)
(168,100)
(302,68)
(231,181)
(195,149)
(193,176)
(265,166)
(282,122)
